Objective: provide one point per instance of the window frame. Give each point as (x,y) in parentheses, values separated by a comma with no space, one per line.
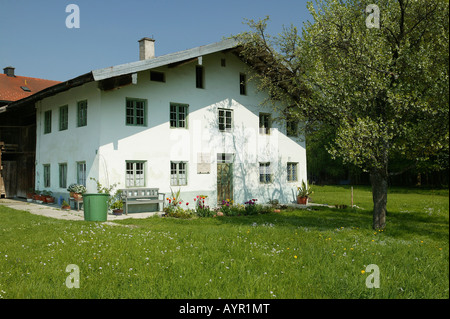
(176,173)
(157,76)
(292,172)
(223,127)
(81,179)
(265,130)
(242,84)
(46,175)
(199,76)
(265,169)
(62,175)
(63,117)
(177,113)
(134,116)
(134,172)
(48,122)
(82,113)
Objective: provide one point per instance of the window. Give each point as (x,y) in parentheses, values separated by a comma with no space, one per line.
(63,117)
(199,76)
(265,123)
(291,125)
(157,76)
(82,114)
(46,175)
(135,174)
(81,173)
(292,172)
(265,175)
(223,62)
(242,84)
(225,158)
(47,122)
(63,175)
(178,173)
(225,120)
(136,112)
(178,115)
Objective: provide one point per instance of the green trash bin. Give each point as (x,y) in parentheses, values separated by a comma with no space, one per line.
(95,207)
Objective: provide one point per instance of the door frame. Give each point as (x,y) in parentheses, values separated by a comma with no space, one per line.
(225,160)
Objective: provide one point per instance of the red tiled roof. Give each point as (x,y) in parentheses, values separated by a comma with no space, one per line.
(10,86)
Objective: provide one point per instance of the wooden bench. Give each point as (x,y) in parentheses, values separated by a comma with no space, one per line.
(140,196)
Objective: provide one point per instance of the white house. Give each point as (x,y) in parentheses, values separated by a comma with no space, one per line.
(190,120)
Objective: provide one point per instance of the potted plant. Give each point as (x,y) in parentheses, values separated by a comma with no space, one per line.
(37,197)
(65,205)
(303,193)
(48,197)
(76,191)
(117,207)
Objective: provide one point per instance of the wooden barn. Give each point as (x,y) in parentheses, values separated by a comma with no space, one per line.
(18,132)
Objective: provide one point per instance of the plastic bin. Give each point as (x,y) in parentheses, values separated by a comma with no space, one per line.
(95,207)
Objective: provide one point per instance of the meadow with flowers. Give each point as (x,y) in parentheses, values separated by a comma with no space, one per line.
(248,251)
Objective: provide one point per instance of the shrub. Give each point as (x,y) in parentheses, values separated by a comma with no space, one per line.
(251,208)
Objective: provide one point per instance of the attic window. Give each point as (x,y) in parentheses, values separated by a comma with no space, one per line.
(157,76)
(26,89)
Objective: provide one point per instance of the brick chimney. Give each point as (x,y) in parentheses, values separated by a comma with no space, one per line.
(9,71)
(146,48)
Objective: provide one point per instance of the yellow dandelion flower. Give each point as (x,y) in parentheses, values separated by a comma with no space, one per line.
(363,272)
(295,257)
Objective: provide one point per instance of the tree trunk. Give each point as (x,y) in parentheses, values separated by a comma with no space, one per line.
(379,181)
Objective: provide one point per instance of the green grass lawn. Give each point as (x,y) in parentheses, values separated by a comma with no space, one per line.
(314,253)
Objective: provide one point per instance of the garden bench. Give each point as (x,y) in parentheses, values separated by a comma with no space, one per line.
(140,196)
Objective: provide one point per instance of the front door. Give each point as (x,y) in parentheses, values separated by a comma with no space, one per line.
(224,177)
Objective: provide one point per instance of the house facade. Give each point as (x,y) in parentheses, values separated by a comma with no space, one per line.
(189,121)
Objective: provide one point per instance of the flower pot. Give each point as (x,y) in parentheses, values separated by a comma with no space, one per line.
(117,212)
(302,200)
(77,196)
(65,207)
(277,211)
(49,199)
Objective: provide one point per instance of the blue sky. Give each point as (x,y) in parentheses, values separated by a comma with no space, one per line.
(35,40)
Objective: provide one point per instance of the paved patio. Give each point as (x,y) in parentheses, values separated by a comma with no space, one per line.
(54,211)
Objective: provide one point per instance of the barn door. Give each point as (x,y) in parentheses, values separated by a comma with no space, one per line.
(9,174)
(224,177)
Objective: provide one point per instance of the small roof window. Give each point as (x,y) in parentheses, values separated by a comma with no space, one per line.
(25,88)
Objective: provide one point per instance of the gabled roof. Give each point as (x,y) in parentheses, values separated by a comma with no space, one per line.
(163,60)
(13,88)
(125,69)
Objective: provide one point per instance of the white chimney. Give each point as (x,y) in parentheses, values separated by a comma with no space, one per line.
(146,48)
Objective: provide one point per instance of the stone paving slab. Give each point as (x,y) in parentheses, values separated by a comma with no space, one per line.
(54,211)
